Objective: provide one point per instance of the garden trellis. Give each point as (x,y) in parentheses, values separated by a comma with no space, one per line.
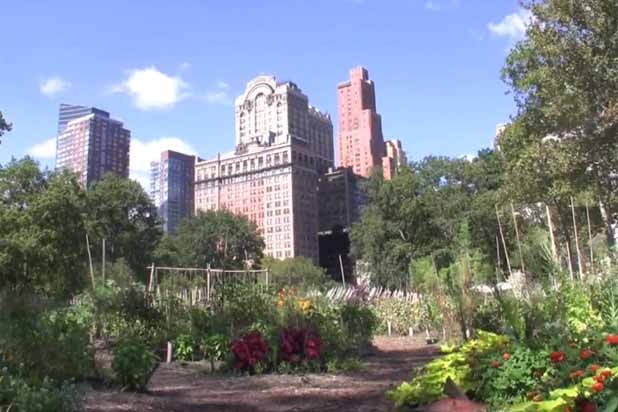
(195,286)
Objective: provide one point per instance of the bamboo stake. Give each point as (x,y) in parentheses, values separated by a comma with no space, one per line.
(506,252)
(90,262)
(342,273)
(521,253)
(590,238)
(568,248)
(103,261)
(554,251)
(577,249)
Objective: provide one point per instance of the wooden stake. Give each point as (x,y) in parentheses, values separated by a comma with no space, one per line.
(90,262)
(506,252)
(151,280)
(580,266)
(342,273)
(521,253)
(554,251)
(103,261)
(590,238)
(568,248)
(169,352)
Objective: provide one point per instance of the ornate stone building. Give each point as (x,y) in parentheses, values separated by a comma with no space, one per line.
(282,145)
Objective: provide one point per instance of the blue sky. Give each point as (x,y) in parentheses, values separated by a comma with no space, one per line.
(171,69)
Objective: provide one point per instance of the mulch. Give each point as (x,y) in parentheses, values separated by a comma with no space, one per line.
(178,388)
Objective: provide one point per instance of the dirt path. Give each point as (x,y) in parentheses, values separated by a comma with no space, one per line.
(178,389)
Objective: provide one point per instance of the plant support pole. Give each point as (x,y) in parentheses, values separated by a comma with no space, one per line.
(506,252)
(90,262)
(580,266)
(521,253)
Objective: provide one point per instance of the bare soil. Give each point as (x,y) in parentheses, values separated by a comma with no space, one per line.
(177,388)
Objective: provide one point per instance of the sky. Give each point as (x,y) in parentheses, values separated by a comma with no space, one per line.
(171,69)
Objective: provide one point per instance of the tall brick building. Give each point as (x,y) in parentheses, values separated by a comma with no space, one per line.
(91,144)
(282,145)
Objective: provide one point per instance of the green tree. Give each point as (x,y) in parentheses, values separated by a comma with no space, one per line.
(119,211)
(41,230)
(564,79)
(4,126)
(217,238)
(298,272)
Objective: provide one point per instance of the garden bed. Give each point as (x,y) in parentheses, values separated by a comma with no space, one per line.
(175,387)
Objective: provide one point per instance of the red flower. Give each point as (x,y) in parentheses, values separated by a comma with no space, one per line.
(577,374)
(599,378)
(612,340)
(506,356)
(495,364)
(594,367)
(598,387)
(606,373)
(585,354)
(557,357)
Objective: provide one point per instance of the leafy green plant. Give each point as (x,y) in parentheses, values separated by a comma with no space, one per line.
(133,363)
(184,347)
(215,348)
(17,395)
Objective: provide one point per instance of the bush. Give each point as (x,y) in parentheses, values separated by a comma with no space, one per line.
(43,342)
(185,347)
(250,350)
(133,363)
(19,396)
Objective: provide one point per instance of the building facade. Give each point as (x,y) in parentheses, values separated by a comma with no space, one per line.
(91,144)
(172,188)
(341,199)
(282,145)
(394,158)
(361,143)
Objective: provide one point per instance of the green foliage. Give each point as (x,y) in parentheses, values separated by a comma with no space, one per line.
(120,211)
(41,342)
(215,348)
(513,379)
(185,345)
(133,363)
(4,125)
(217,238)
(41,230)
(428,384)
(17,395)
(297,272)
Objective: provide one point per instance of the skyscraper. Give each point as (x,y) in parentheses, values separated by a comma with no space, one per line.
(282,145)
(171,188)
(361,144)
(91,144)
(394,158)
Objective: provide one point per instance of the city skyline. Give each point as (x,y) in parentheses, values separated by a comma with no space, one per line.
(190,110)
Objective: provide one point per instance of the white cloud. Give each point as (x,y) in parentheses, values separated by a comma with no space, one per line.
(143,152)
(53,86)
(512,26)
(220,94)
(44,150)
(153,89)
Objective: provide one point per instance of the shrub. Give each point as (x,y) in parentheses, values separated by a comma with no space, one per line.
(249,351)
(215,348)
(299,345)
(20,396)
(184,347)
(133,363)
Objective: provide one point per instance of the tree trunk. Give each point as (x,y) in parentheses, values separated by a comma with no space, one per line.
(608,220)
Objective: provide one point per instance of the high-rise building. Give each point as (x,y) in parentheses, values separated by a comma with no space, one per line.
(341,198)
(394,158)
(91,144)
(171,188)
(361,144)
(282,145)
